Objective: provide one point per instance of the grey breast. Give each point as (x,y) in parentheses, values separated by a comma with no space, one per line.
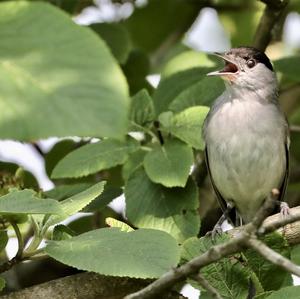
(245,141)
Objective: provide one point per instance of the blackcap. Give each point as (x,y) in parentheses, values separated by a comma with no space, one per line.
(246,134)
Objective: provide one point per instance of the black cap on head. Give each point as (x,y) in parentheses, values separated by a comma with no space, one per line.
(252,53)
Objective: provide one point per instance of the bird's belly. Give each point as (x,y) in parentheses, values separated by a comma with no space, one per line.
(246,165)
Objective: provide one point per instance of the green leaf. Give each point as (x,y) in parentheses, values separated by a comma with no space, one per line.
(75,203)
(169,164)
(174,210)
(191,86)
(228,275)
(117,38)
(136,68)
(142,110)
(64,191)
(109,194)
(295,254)
(2,283)
(93,157)
(3,240)
(288,292)
(134,161)
(59,150)
(289,66)
(117,223)
(57,78)
(143,18)
(263,295)
(202,93)
(187,60)
(143,253)
(270,276)
(186,125)
(241,24)
(62,232)
(26,202)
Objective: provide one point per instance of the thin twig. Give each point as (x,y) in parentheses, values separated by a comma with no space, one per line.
(294,128)
(206,285)
(272,256)
(20,240)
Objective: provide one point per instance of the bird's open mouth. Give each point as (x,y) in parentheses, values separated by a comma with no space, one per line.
(229,68)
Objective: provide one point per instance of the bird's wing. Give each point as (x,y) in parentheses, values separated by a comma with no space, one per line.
(220,198)
(287,171)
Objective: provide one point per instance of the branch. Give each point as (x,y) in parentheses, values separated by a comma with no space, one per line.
(294,128)
(173,276)
(271,15)
(85,286)
(207,286)
(244,237)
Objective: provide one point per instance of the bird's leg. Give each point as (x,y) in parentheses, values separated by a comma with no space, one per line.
(217,230)
(238,219)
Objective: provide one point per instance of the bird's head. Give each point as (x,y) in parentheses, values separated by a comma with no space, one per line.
(246,67)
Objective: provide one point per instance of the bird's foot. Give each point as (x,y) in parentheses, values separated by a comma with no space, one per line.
(284,209)
(215,232)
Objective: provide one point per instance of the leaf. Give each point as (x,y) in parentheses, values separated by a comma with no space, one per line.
(173,210)
(59,150)
(263,295)
(288,292)
(62,232)
(134,161)
(136,68)
(186,125)
(240,24)
(64,191)
(202,93)
(117,38)
(270,276)
(139,23)
(228,275)
(187,60)
(169,164)
(295,254)
(190,86)
(75,203)
(289,66)
(26,202)
(117,223)
(143,253)
(92,158)
(3,242)
(142,110)
(2,283)
(63,82)
(108,195)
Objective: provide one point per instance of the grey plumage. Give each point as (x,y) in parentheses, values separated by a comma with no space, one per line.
(246,134)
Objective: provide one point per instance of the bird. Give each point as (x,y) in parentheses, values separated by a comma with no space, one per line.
(246,137)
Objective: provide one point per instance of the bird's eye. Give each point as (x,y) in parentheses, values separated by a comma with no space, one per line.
(251,63)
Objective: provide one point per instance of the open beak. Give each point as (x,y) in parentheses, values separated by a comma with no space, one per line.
(229,69)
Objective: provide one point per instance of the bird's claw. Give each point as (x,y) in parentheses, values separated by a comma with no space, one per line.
(215,232)
(284,209)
